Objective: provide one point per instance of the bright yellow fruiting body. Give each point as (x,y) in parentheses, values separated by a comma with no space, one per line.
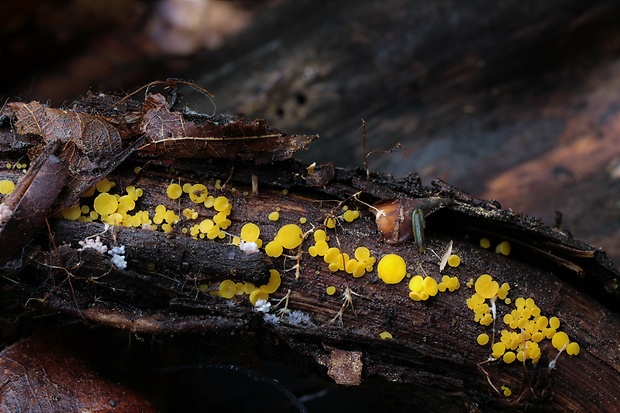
(392,269)
(350,215)
(274,282)
(105,204)
(385,335)
(483,339)
(198,193)
(228,289)
(104,185)
(258,294)
(503,248)
(274,216)
(289,236)
(485,243)
(125,204)
(6,186)
(174,191)
(72,213)
(273,249)
(330,222)
(506,390)
(572,349)
(331,290)
(485,286)
(250,232)
(560,340)
(454,260)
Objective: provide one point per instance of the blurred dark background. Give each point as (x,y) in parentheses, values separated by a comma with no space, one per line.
(514,100)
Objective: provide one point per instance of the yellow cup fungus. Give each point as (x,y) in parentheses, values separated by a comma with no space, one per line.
(6,186)
(331,290)
(250,232)
(485,286)
(506,390)
(104,185)
(483,339)
(198,193)
(485,243)
(392,269)
(274,249)
(258,294)
(274,216)
(274,282)
(105,204)
(72,213)
(385,335)
(454,260)
(503,248)
(572,349)
(228,289)
(289,236)
(351,215)
(174,191)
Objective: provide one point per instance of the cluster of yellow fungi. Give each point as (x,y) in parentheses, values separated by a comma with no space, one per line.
(112,209)
(230,289)
(392,269)
(526,327)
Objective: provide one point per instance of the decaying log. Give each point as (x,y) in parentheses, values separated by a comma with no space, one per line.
(432,361)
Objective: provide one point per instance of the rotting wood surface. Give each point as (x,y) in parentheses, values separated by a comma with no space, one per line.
(433,354)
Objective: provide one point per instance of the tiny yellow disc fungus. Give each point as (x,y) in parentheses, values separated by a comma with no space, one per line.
(485,243)
(125,204)
(72,213)
(104,185)
(454,260)
(554,323)
(6,187)
(273,249)
(330,222)
(303,220)
(498,350)
(198,193)
(509,357)
(392,269)
(174,191)
(331,290)
(105,204)
(274,216)
(559,340)
(430,286)
(274,282)
(483,339)
(351,215)
(250,232)
(221,204)
(503,248)
(506,390)
(228,288)
(385,335)
(258,294)
(485,286)
(289,236)
(572,349)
